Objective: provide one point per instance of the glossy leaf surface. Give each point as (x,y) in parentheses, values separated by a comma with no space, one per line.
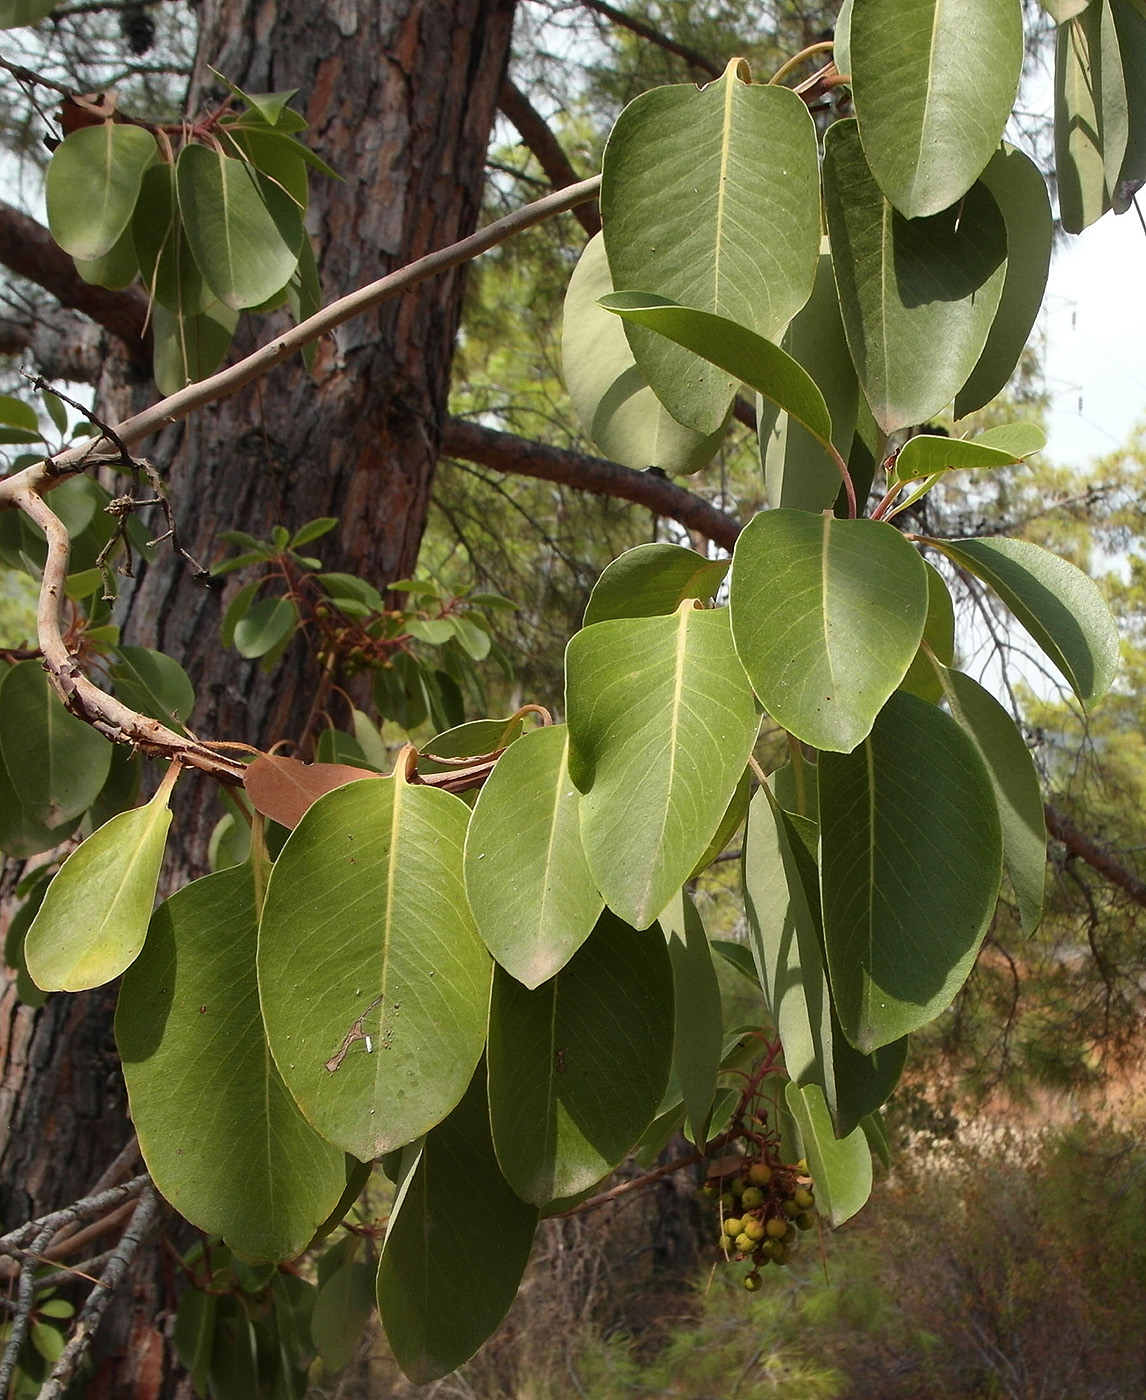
(94,917)
(933,82)
(578,1066)
(1062,609)
(827,615)
(725,221)
(918,296)
(453,1256)
(366,932)
(661,722)
(527,878)
(911,857)
(221,1136)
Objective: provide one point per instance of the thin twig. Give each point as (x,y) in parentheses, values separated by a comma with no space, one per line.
(690,1159)
(95,1204)
(25,1301)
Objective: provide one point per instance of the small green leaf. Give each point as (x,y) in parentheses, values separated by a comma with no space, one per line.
(117,269)
(612,399)
(527,879)
(840,1168)
(94,917)
(236,611)
(698,1038)
(244,232)
(219,1132)
(939,634)
(924,455)
(56,410)
(374,983)
(1023,439)
(661,722)
(1021,194)
(92,184)
(934,82)
(456,1247)
(652,580)
(918,296)
(18,414)
(153,683)
(1062,609)
(341,1311)
(826,615)
(313,530)
(578,1066)
(264,626)
(1018,791)
(56,763)
(911,857)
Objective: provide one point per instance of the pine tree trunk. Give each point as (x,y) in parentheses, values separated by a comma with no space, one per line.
(400,96)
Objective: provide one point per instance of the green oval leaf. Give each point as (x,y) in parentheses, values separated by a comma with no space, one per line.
(153,683)
(661,723)
(366,932)
(611,397)
(117,269)
(698,1035)
(453,1258)
(264,626)
(924,455)
(1017,788)
(56,763)
(189,348)
(341,1311)
(1091,122)
(918,296)
(1021,194)
(94,917)
(221,1136)
(911,858)
(652,580)
(527,879)
(939,635)
(169,271)
(244,231)
(694,185)
(1062,609)
(934,82)
(578,1066)
(840,1168)
(827,615)
(15,14)
(92,184)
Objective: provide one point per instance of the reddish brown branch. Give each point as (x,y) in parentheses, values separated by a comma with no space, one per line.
(1079,844)
(520,457)
(28,249)
(534,131)
(646,31)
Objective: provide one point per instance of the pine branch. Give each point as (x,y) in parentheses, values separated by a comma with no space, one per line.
(534,131)
(1060,826)
(692,57)
(520,457)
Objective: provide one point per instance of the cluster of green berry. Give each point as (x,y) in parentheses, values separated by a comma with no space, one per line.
(763,1207)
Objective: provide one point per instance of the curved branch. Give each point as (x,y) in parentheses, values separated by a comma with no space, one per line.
(692,57)
(519,457)
(28,249)
(534,131)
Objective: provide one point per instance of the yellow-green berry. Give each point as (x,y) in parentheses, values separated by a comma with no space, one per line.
(733,1226)
(803,1198)
(744,1244)
(760,1174)
(805,1222)
(752,1198)
(752,1282)
(754,1229)
(776,1228)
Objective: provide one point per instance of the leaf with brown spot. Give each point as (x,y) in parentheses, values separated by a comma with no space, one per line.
(283,788)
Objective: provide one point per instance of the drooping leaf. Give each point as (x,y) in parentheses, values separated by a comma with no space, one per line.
(746,356)
(1060,607)
(56,763)
(277,156)
(698,1040)
(797,472)
(1091,123)
(117,269)
(687,219)
(153,683)
(578,1066)
(94,917)
(1023,439)
(374,983)
(934,82)
(939,634)
(651,580)
(21,835)
(244,231)
(453,1258)
(911,857)
(189,348)
(841,1169)
(92,184)
(826,615)
(1130,27)
(341,1311)
(918,296)
(527,879)
(220,1134)
(612,399)
(264,626)
(661,722)
(1021,194)
(283,788)
(1017,788)
(730,823)
(169,271)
